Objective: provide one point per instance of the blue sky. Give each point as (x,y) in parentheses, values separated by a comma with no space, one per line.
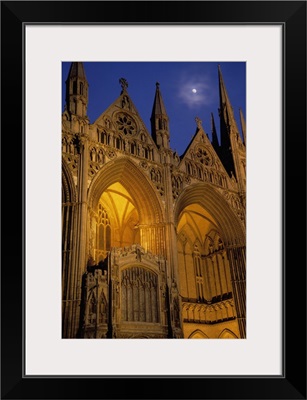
(189,90)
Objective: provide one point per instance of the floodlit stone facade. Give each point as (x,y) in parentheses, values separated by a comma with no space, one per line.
(153,242)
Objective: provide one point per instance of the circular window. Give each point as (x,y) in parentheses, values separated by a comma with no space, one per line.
(203,156)
(125,124)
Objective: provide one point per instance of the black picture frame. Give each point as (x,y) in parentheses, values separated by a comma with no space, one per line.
(292,16)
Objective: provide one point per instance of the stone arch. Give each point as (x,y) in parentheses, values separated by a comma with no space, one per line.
(213,238)
(125,172)
(141,265)
(198,334)
(227,334)
(212,201)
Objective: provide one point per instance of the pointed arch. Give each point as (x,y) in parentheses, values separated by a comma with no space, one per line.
(198,334)
(214,202)
(227,334)
(143,194)
(213,242)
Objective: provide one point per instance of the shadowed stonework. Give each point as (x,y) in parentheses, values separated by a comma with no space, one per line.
(153,242)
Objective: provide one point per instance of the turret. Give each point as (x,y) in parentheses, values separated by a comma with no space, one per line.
(159,121)
(77,90)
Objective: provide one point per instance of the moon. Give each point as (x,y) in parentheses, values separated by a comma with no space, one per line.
(194,90)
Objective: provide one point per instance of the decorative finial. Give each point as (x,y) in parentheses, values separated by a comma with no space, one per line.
(157,85)
(198,122)
(123,83)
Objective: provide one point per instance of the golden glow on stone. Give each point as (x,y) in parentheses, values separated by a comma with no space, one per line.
(196,222)
(123,214)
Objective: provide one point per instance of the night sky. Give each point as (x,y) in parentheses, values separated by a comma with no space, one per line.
(189,90)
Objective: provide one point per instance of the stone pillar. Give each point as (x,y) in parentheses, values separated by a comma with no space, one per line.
(171,252)
(237,263)
(68,226)
(79,237)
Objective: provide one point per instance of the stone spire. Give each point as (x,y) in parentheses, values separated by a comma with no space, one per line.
(215,141)
(159,120)
(232,150)
(243,125)
(77,90)
(228,126)
(228,123)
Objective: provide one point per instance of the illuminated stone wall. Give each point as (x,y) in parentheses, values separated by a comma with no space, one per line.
(153,243)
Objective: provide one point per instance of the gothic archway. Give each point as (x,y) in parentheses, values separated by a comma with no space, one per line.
(216,205)
(198,334)
(227,334)
(211,255)
(129,205)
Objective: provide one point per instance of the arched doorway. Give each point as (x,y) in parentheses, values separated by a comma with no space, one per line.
(116,221)
(211,261)
(124,209)
(204,273)
(126,236)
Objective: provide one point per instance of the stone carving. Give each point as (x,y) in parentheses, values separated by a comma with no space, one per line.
(94,302)
(126,102)
(78,141)
(236,204)
(187,180)
(111,154)
(107,123)
(72,161)
(144,165)
(123,83)
(203,156)
(198,122)
(127,147)
(208,313)
(93,154)
(125,124)
(177,184)
(156,178)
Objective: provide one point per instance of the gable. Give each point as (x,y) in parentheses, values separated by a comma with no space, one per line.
(123,120)
(200,161)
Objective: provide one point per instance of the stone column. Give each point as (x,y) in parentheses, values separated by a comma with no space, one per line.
(68,226)
(171,251)
(78,265)
(237,263)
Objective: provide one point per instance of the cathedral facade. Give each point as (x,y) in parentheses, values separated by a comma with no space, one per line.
(153,243)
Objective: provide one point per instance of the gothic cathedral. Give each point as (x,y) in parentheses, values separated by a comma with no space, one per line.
(153,243)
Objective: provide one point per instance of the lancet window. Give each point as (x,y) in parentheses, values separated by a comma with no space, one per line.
(198,274)
(103,237)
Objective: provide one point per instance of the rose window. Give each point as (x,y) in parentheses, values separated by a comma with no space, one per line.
(203,156)
(125,124)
